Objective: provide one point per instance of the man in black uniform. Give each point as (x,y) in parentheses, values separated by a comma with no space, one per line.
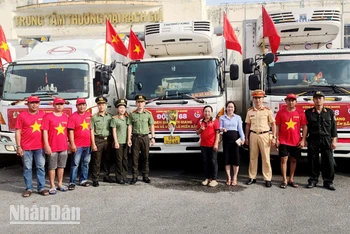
(322,138)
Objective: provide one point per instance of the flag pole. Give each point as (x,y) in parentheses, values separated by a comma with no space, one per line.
(105,49)
(263,38)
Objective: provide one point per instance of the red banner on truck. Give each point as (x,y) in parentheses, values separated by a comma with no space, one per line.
(176,119)
(341,112)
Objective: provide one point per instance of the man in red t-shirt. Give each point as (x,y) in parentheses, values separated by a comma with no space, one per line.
(79,138)
(289,120)
(30,145)
(55,142)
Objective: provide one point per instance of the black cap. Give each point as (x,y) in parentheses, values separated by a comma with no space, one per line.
(120,102)
(319,94)
(101,99)
(140,98)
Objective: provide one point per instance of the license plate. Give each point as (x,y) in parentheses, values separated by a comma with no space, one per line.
(171,140)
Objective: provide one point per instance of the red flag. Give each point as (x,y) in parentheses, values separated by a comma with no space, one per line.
(136,50)
(114,40)
(4,48)
(232,42)
(270,31)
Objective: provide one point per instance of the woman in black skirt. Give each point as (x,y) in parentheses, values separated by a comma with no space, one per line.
(231,126)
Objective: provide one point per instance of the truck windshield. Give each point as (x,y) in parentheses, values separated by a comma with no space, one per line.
(326,74)
(66,80)
(174,79)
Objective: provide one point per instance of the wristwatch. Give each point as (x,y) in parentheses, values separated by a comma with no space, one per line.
(153,138)
(274,137)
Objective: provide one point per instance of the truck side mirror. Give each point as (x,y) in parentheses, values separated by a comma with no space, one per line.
(234,72)
(2,81)
(248,66)
(254,82)
(269,58)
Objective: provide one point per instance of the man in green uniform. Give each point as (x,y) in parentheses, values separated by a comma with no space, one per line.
(101,142)
(139,124)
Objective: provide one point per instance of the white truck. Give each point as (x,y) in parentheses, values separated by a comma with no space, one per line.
(67,69)
(306,63)
(186,71)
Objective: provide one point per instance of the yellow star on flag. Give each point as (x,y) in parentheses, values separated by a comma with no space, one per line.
(85,125)
(4,46)
(137,49)
(115,39)
(60,129)
(35,127)
(290,124)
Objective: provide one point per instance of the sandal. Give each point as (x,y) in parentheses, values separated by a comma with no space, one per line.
(52,191)
(71,187)
(62,188)
(85,184)
(44,192)
(283,185)
(234,183)
(228,182)
(27,193)
(293,184)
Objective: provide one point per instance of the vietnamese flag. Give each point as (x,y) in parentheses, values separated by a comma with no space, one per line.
(4,48)
(114,40)
(136,51)
(232,42)
(270,31)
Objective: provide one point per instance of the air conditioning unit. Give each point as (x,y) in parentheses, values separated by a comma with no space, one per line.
(304,26)
(179,38)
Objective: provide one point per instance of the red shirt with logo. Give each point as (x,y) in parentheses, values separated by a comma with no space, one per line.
(31,135)
(56,127)
(80,123)
(289,126)
(209,133)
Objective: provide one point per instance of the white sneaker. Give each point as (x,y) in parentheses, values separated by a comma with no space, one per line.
(205,182)
(213,183)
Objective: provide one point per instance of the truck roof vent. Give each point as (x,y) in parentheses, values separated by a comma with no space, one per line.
(326,15)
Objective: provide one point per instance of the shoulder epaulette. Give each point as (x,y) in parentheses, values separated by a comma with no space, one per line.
(114,116)
(147,111)
(133,111)
(268,108)
(251,108)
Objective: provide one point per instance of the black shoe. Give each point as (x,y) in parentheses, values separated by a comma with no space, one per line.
(311,184)
(329,186)
(146,180)
(133,181)
(250,181)
(268,183)
(95,183)
(108,180)
(120,181)
(126,180)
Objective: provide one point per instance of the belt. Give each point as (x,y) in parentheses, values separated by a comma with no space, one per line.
(101,137)
(259,132)
(139,135)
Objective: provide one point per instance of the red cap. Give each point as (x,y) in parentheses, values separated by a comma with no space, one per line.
(81,101)
(58,101)
(291,96)
(33,99)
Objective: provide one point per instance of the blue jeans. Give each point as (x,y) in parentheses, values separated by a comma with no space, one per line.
(39,159)
(82,156)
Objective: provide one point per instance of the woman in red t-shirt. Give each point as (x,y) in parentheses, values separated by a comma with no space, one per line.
(209,129)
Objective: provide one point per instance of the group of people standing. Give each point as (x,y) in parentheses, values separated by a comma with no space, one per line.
(46,138)
(292,129)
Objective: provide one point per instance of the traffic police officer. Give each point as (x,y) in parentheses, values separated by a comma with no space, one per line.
(258,121)
(322,138)
(101,142)
(139,123)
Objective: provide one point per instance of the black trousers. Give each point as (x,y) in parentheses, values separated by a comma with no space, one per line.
(317,145)
(210,158)
(140,143)
(101,159)
(121,162)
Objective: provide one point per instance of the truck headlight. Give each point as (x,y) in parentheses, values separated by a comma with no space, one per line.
(5,139)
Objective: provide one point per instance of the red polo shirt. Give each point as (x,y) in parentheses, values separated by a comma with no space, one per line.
(209,132)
